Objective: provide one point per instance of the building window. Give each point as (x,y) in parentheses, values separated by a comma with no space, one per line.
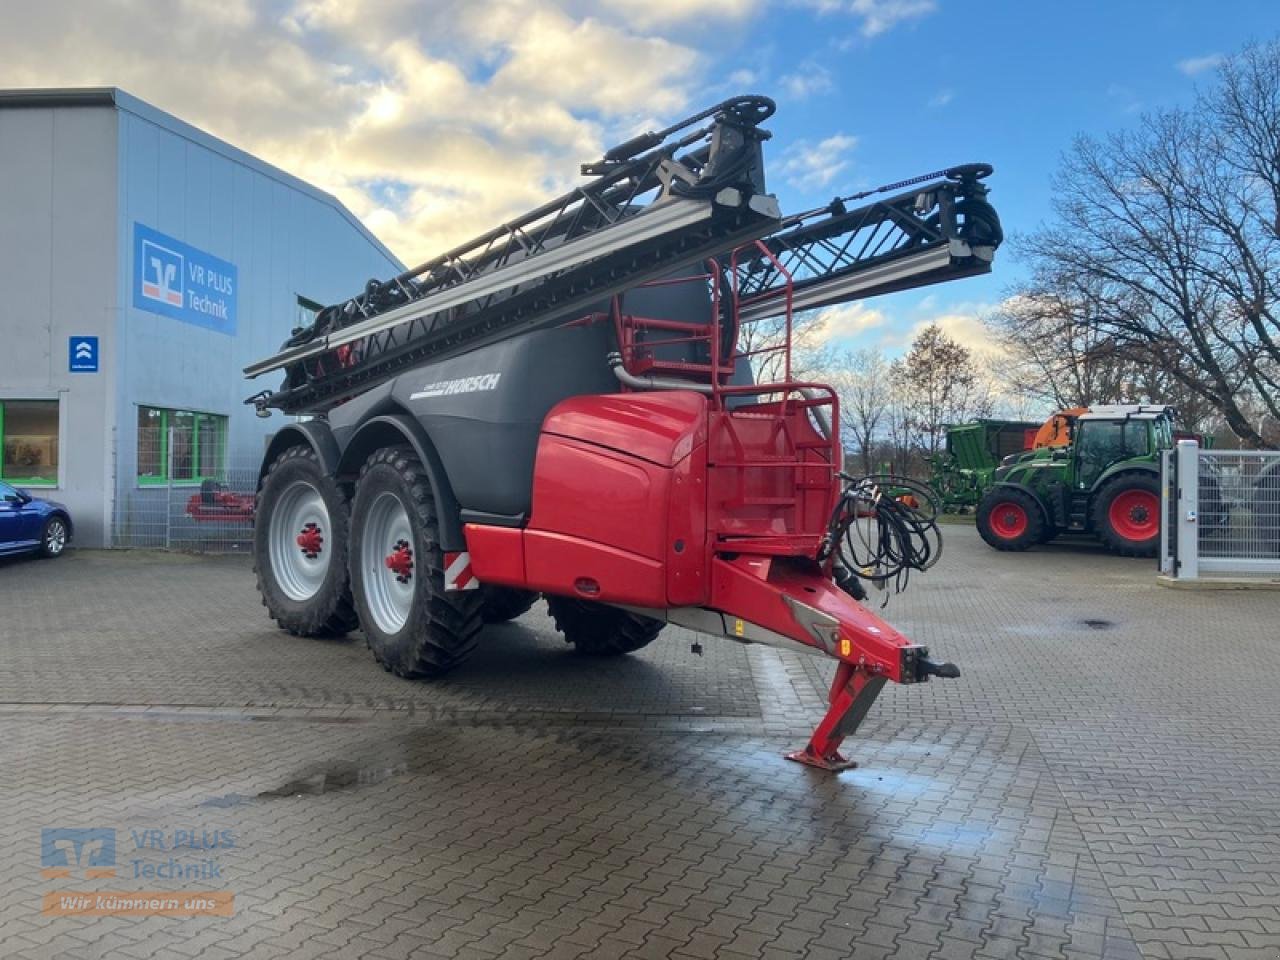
(180,446)
(307,311)
(29,441)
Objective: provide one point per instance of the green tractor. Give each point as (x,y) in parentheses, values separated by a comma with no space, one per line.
(974,451)
(1105,482)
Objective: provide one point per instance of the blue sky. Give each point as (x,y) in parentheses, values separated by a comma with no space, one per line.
(436,119)
(1007,83)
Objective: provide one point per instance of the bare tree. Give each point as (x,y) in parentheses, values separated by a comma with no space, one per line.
(942,385)
(1055,354)
(899,419)
(1173,229)
(1058,353)
(861,380)
(762,342)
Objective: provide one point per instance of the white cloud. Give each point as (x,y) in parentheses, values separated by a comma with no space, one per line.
(874,16)
(961,321)
(845,321)
(879,16)
(967,329)
(594,66)
(649,13)
(809,166)
(433,122)
(811,78)
(1193,66)
(942,98)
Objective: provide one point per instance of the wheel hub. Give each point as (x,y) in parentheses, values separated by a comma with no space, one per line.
(311,540)
(1134,515)
(1008,521)
(400,561)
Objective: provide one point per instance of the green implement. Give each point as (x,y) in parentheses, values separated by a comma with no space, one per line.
(964,471)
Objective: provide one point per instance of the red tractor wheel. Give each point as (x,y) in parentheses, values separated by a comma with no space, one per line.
(1010,519)
(1126,514)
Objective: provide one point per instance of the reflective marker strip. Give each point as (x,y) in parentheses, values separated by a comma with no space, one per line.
(457,572)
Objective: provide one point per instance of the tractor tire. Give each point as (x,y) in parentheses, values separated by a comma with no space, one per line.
(1010,519)
(505,603)
(1126,514)
(300,541)
(599,630)
(415,628)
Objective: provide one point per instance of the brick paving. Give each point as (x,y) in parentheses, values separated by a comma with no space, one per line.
(1103,781)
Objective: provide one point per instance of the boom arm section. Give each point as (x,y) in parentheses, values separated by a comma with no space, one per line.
(691,194)
(943,229)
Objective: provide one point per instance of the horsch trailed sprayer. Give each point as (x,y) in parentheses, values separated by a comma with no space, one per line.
(565,406)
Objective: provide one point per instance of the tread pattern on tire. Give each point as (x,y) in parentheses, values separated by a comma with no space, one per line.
(1100,519)
(1035,519)
(502,604)
(599,630)
(447,627)
(336,615)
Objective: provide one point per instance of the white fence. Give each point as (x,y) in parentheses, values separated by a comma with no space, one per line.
(1221,513)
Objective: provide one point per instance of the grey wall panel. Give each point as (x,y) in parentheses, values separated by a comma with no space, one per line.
(73,182)
(283,240)
(57,280)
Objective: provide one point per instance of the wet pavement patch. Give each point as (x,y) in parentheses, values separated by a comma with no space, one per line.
(329,777)
(226,800)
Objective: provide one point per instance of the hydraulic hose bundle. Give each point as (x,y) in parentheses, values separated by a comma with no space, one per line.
(882,528)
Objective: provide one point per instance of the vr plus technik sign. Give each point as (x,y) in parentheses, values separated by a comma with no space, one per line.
(178,281)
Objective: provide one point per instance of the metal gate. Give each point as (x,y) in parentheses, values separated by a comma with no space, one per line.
(1222,513)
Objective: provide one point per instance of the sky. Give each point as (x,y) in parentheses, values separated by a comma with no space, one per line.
(433,120)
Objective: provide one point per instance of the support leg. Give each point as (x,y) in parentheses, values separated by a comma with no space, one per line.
(852,693)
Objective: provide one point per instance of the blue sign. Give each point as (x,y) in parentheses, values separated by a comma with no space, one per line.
(181,282)
(82,354)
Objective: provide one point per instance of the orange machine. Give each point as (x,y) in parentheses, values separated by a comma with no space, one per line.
(1056,431)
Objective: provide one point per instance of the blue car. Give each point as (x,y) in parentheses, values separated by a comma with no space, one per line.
(30,525)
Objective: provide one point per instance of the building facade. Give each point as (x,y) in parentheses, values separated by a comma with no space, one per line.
(143,264)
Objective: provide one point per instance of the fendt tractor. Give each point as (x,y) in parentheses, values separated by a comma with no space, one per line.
(1098,474)
(561,408)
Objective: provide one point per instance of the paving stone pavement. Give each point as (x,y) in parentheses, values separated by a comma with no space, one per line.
(1103,780)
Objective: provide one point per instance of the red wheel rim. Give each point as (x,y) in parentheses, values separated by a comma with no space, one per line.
(1009,520)
(1135,515)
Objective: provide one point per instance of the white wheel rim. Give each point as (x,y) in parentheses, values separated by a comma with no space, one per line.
(388,563)
(299,541)
(56,538)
